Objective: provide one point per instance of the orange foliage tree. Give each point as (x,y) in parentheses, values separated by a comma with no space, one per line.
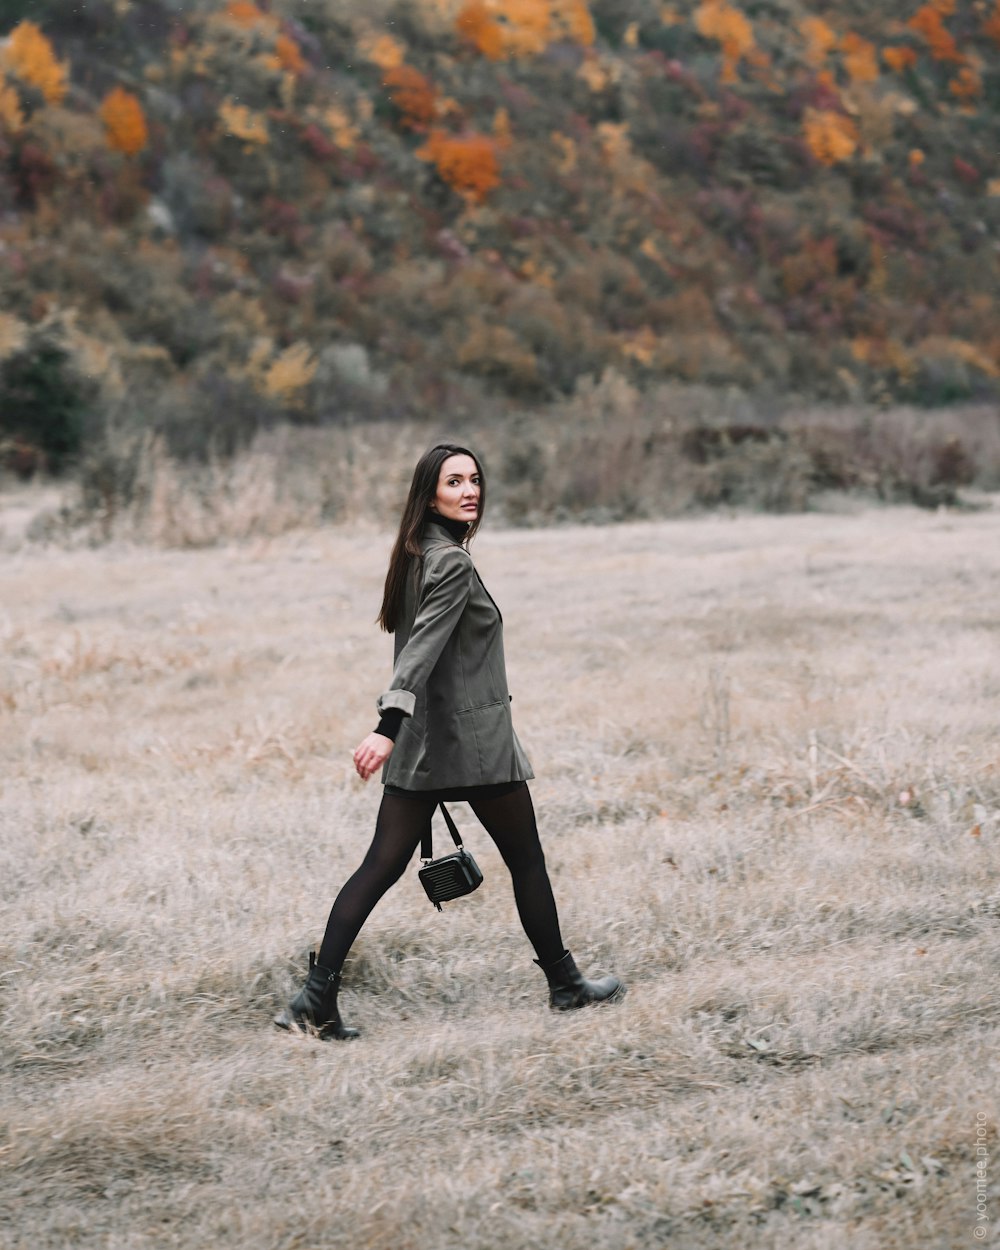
(29,54)
(288,55)
(124,122)
(477,26)
(966,83)
(860,58)
(467,163)
(992,25)
(571,19)
(899,58)
(820,39)
(831,136)
(716,19)
(928,21)
(243,12)
(515,28)
(501,29)
(414,95)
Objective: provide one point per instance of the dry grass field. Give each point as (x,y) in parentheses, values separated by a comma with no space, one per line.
(769,789)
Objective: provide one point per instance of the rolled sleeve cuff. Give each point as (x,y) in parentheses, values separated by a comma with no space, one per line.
(404,700)
(389,725)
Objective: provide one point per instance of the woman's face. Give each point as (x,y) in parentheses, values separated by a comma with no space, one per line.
(458,489)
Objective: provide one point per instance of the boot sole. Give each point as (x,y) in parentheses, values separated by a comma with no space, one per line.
(288,1024)
(615,997)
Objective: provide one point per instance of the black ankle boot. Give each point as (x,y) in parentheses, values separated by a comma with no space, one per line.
(569,989)
(314,1007)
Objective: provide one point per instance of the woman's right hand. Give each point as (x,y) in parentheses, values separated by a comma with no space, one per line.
(371,754)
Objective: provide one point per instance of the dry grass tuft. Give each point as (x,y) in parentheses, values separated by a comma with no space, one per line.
(769,788)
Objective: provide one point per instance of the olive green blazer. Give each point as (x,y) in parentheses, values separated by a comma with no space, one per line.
(449,678)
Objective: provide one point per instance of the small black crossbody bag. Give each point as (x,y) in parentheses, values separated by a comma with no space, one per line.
(452,875)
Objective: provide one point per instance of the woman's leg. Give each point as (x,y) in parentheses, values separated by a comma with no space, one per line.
(510,822)
(400,825)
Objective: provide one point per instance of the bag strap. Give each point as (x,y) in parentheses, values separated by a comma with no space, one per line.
(427,841)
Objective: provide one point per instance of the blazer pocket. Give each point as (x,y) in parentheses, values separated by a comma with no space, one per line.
(480,707)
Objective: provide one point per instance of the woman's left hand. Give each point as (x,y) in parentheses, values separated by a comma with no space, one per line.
(371,754)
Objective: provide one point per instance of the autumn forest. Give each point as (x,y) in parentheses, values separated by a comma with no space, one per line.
(220,217)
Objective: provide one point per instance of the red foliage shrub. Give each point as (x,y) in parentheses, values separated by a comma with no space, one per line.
(34,173)
(413,95)
(969,174)
(317,143)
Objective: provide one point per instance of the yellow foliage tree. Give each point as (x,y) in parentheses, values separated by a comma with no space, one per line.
(594,74)
(566,148)
(467,163)
(502,135)
(860,58)
(496,351)
(290,373)
(382,50)
(29,54)
(240,122)
(13,334)
(820,39)
(11,116)
(716,19)
(341,127)
(831,136)
(124,122)
(614,140)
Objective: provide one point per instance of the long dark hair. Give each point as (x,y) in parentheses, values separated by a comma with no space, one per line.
(423,488)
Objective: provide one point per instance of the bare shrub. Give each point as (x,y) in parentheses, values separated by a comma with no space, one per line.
(610,451)
(901,454)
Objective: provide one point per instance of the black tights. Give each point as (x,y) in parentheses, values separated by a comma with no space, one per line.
(510,822)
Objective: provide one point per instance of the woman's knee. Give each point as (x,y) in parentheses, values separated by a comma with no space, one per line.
(523,856)
(385,870)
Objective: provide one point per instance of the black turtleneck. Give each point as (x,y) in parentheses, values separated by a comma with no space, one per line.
(457,529)
(392,717)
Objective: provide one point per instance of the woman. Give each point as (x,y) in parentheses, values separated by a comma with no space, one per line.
(445,733)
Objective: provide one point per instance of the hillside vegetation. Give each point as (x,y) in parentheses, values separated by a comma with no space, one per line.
(219,216)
